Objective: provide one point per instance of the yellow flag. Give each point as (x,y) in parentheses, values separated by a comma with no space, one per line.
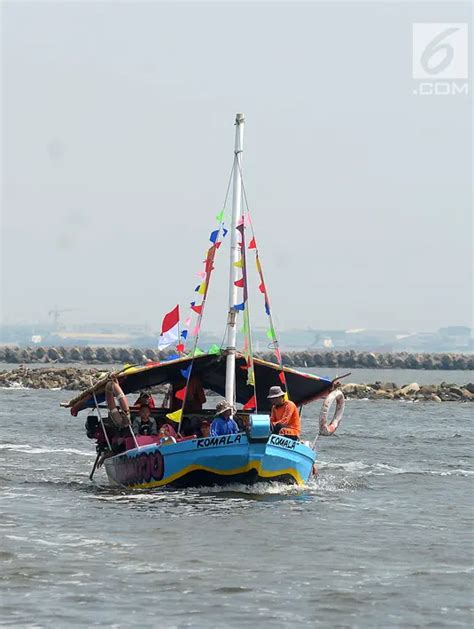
(175,416)
(239,264)
(202,289)
(251,377)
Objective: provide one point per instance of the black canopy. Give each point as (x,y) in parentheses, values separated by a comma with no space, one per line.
(210,369)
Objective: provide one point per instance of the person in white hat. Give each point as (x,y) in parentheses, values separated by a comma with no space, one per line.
(285,419)
(223,423)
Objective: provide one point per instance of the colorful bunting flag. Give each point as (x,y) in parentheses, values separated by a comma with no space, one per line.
(220,216)
(184,334)
(224,232)
(185,372)
(214,349)
(180,348)
(171,357)
(282,378)
(239,283)
(252,244)
(214,235)
(240,306)
(251,377)
(175,416)
(239,264)
(251,404)
(267,308)
(169,329)
(262,288)
(271,334)
(197,309)
(181,394)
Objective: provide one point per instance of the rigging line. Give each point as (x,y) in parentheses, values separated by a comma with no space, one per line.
(229,184)
(275,342)
(246,315)
(209,268)
(221,224)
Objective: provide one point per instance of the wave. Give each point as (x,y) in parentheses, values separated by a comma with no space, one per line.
(362,467)
(25,448)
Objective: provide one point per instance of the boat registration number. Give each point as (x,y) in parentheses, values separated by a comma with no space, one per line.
(276,440)
(209,442)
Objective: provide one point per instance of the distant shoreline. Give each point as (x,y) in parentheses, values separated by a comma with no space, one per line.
(349,359)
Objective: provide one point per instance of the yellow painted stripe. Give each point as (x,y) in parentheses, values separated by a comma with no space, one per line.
(246,468)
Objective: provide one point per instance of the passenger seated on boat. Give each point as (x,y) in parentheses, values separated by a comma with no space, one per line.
(285,418)
(167,434)
(205,428)
(144,424)
(144,398)
(223,423)
(120,415)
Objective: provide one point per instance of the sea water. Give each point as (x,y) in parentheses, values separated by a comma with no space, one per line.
(382,538)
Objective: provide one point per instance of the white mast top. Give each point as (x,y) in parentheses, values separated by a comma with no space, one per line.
(235,255)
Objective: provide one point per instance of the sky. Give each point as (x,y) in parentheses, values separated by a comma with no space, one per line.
(117,124)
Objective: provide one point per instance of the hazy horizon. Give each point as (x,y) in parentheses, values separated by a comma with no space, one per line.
(117,143)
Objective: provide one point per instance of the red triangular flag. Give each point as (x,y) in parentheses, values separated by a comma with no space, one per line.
(281,375)
(197,309)
(252,244)
(262,288)
(180,394)
(251,404)
(180,348)
(240,283)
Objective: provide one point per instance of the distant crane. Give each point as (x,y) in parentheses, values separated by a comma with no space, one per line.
(55,312)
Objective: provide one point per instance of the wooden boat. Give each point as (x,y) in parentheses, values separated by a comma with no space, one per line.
(254,454)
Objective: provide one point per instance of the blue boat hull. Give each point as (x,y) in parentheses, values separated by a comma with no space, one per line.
(212,461)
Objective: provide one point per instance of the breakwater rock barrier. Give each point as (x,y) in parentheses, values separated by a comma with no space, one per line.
(77,379)
(340,359)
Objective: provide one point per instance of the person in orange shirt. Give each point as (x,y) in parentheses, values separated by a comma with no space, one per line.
(285,419)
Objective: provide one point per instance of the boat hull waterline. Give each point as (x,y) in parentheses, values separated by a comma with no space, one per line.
(212,461)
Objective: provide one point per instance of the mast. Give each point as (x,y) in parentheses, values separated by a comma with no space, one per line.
(234,257)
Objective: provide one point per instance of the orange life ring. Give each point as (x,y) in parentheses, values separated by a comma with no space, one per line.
(329,429)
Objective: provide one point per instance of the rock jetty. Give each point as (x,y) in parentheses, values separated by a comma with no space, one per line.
(340,359)
(444,392)
(77,379)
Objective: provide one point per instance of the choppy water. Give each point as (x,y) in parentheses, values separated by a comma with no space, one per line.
(383,538)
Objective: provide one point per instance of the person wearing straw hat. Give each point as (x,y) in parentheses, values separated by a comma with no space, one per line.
(284,419)
(223,423)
